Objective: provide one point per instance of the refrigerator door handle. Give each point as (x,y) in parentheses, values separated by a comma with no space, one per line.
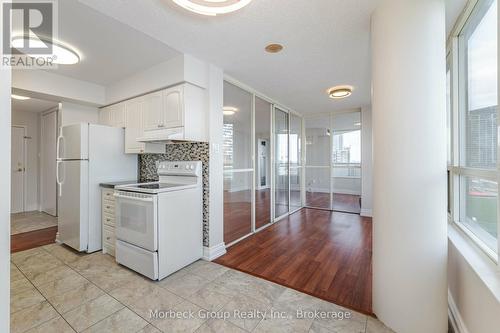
(60,138)
(58,177)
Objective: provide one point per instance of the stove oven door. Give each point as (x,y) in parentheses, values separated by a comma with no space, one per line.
(137,219)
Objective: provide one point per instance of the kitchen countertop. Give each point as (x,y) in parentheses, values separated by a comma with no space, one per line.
(114,184)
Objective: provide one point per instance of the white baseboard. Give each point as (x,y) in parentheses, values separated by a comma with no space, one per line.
(454,315)
(366,212)
(214,252)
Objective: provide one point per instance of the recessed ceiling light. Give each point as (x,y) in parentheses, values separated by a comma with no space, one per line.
(339,92)
(62,55)
(212,7)
(19,97)
(229,110)
(274,48)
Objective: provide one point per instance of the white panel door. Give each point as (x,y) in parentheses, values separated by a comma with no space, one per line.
(18,170)
(153,109)
(174,107)
(48,191)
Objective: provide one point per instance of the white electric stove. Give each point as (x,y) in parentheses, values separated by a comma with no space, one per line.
(159,225)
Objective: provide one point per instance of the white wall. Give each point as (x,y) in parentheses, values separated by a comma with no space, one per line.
(50,86)
(216,171)
(5,148)
(366,162)
(72,113)
(183,68)
(409,165)
(477,306)
(32,122)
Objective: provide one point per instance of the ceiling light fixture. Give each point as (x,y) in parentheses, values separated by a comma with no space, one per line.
(274,48)
(339,92)
(212,7)
(19,97)
(62,54)
(229,110)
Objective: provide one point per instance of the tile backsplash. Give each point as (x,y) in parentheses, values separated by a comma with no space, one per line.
(187,151)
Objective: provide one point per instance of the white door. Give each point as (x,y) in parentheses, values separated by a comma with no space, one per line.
(153,111)
(48,191)
(174,107)
(73,204)
(18,169)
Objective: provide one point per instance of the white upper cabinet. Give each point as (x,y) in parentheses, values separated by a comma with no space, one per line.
(133,127)
(153,110)
(118,115)
(105,116)
(173,115)
(113,115)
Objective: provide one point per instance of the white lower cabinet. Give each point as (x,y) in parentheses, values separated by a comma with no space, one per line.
(108,221)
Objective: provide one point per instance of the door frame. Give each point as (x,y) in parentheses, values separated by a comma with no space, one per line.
(41,159)
(25,162)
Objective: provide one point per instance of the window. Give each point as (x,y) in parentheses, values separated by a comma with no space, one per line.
(473,170)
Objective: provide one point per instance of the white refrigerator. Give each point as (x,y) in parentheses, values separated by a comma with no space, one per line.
(88,155)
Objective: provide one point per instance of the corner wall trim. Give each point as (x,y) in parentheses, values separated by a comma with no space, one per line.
(366,212)
(214,252)
(454,316)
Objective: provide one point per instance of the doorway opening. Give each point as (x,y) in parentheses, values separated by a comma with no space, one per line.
(33,168)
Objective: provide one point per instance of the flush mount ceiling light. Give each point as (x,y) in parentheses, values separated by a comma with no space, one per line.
(274,48)
(62,55)
(340,92)
(212,7)
(229,110)
(19,97)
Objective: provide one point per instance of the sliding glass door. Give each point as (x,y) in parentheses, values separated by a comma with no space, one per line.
(295,139)
(346,162)
(238,165)
(318,179)
(263,111)
(333,162)
(263,168)
(281,163)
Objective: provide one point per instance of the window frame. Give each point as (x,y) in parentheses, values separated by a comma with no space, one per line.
(472,15)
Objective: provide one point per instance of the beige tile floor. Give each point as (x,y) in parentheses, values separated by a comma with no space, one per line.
(30,221)
(54,289)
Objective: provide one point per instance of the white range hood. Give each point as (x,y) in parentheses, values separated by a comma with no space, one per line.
(164,135)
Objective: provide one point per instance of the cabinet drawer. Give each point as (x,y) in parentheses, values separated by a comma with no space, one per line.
(108,195)
(109,248)
(108,234)
(108,219)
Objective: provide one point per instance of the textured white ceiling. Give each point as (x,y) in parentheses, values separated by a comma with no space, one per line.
(110,49)
(327,42)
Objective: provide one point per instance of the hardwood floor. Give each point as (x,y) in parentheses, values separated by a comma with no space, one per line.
(341,202)
(321,253)
(28,240)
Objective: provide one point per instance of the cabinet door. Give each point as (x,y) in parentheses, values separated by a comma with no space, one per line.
(153,111)
(173,115)
(105,116)
(118,115)
(133,127)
